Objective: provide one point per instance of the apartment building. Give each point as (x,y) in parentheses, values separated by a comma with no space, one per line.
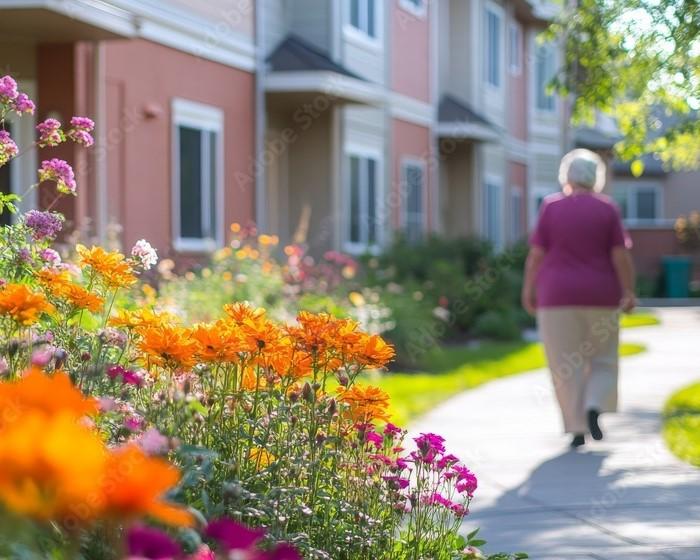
(334,123)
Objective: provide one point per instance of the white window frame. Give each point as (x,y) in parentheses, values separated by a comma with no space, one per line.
(407,162)
(360,36)
(536,86)
(496,182)
(353,247)
(515,41)
(206,118)
(500,15)
(630,190)
(516,198)
(410,6)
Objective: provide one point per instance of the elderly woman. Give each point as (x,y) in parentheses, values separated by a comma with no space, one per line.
(578,276)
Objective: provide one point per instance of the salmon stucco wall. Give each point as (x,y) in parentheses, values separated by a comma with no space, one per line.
(518,179)
(142,80)
(410,52)
(518,103)
(412,142)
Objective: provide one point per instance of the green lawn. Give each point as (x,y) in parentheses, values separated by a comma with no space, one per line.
(638,319)
(455,369)
(682,424)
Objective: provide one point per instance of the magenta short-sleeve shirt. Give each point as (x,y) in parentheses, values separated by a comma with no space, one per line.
(578,233)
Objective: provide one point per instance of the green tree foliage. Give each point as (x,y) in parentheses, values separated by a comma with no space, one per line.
(639,62)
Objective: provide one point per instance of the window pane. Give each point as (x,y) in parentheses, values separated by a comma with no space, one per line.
(355,13)
(213,225)
(371,201)
(190,183)
(414,203)
(355,199)
(5,184)
(646,205)
(544,68)
(620,197)
(493,48)
(370,18)
(517,209)
(493,214)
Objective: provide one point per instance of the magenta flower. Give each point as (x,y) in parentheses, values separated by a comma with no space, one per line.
(8,89)
(44,225)
(396,482)
(8,148)
(392,431)
(233,536)
(61,173)
(374,438)
(145,542)
(127,376)
(50,133)
(83,123)
(24,105)
(467,482)
(429,447)
(447,461)
(80,133)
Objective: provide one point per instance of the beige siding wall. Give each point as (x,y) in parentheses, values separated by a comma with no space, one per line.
(228,15)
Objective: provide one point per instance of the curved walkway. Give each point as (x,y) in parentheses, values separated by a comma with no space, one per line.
(623,498)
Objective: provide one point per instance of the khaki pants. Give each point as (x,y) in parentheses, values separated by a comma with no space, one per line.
(581,344)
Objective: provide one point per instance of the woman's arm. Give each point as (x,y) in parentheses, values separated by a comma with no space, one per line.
(624,267)
(532,267)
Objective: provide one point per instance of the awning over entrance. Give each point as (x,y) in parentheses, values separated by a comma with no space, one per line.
(296,66)
(459,121)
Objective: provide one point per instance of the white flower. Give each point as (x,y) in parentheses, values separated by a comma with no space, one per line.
(145,253)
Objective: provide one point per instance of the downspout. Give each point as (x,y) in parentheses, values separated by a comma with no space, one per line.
(259,169)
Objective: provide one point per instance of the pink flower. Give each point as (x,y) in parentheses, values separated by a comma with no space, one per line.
(145,254)
(42,358)
(24,105)
(133,423)
(83,123)
(80,133)
(50,133)
(8,89)
(153,442)
(60,172)
(107,404)
(8,148)
(4,367)
(50,256)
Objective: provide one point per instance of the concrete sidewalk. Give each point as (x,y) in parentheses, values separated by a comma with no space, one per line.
(623,498)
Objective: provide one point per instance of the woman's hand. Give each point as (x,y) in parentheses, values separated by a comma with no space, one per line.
(628,302)
(528,301)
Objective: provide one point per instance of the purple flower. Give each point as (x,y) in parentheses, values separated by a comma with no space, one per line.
(83,123)
(50,133)
(8,89)
(233,536)
(50,256)
(60,172)
(24,105)
(145,542)
(44,225)
(8,148)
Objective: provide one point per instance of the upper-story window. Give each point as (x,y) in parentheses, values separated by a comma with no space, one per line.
(413,185)
(515,44)
(416,7)
(493,47)
(197,175)
(545,61)
(363,16)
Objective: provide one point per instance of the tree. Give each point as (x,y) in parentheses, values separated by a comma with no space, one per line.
(639,62)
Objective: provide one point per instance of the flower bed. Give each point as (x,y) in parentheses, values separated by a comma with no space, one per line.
(126,433)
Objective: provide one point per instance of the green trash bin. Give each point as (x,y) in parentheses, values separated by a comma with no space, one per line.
(677,276)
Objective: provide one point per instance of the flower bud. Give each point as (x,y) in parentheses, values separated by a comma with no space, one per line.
(308,393)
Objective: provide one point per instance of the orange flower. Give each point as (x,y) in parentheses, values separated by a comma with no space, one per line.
(217,342)
(47,394)
(111,266)
(81,298)
(261,457)
(373,351)
(366,403)
(239,312)
(51,468)
(54,281)
(168,346)
(23,305)
(141,319)
(135,485)
(292,363)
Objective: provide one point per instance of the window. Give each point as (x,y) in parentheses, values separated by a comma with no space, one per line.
(363,16)
(6,183)
(363,194)
(638,203)
(516,48)
(545,60)
(197,175)
(516,209)
(413,181)
(416,7)
(492,213)
(493,48)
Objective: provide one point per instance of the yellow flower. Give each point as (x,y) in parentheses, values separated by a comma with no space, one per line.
(261,457)
(23,305)
(141,318)
(356,299)
(111,266)
(235,227)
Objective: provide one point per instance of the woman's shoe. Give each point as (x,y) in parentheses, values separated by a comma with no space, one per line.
(578,441)
(593,426)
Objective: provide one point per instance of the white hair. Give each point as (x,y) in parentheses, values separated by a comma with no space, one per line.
(582,168)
